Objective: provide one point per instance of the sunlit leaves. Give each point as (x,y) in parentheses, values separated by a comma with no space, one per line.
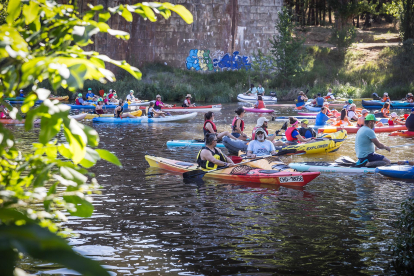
(108,156)
(30,12)
(13,11)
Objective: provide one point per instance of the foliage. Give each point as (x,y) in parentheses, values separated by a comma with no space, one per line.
(403,246)
(262,64)
(343,38)
(403,10)
(286,48)
(43,40)
(3,11)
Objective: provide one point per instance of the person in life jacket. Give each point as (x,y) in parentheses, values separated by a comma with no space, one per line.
(292,133)
(393,120)
(348,103)
(259,103)
(409,98)
(385,110)
(159,104)
(260,146)
(119,111)
(79,100)
(301,99)
(90,95)
(319,100)
(385,98)
(210,157)
(262,123)
(343,120)
(306,131)
(361,120)
(330,95)
(21,93)
(187,101)
(210,127)
(352,114)
(154,113)
(237,126)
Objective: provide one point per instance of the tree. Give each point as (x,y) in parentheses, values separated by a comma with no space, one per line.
(43,40)
(403,10)
(286,48)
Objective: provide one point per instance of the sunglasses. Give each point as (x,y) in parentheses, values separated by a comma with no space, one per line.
(260,133)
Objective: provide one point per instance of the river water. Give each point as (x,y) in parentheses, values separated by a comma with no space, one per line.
(149,222)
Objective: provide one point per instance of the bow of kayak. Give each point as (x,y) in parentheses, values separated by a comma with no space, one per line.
(397,171)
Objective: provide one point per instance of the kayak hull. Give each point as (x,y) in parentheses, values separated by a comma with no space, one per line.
(274,177)
(253,99)
(11,122)
(258,110)
(375,104)
(397,171)
(144,119)
(354,129)
(78,117)
(326,167)
(89,116)
(189,143)
(403,133)
(108,106)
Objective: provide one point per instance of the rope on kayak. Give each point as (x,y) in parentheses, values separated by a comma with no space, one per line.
(272,159)
(241,170)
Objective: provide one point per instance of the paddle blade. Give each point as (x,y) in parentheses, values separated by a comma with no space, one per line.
(285,125)
(194,174)
(287,151)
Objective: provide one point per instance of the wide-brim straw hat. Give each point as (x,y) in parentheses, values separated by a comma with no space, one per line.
(188,96)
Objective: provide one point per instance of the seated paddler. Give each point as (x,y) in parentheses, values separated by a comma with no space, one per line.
(210,157)
(260,146)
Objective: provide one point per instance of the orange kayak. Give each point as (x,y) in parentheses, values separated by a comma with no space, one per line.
(403,133)
(285,177)
(11,122)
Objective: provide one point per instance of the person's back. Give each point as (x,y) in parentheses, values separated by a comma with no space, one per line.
(409,123)
(321,119)
(307,132)
(363,144)
(319,101)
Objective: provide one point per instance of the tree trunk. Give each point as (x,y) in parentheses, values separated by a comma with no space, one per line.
(297,10)
(316,13)
(324,11)
(330,17)
(309,13)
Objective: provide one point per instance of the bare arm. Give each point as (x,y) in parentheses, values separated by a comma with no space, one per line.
(379,145)
(206,155)
(250,154)
(227,158)
(300,138)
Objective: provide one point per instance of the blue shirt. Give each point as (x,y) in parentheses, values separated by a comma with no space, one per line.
(80,100)
(295,133)
(321,119)
(90,95)
(319,101)
(363,144)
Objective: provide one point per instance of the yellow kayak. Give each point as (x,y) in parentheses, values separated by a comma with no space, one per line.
(137,113)
(59,98)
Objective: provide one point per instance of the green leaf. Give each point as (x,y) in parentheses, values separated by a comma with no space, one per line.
(31,12)
(13,10)
(73,175)
(44,245)
(181,11)
(50,127)
(127,15)
(52,190)
(104,16)
(83,207)
(108,156)
(77,76)
(91,156)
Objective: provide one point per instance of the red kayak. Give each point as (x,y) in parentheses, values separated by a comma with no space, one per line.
(354,129)
(403,133)
(205,108)
(11,122)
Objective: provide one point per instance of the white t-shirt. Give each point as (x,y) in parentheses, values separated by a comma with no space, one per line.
(130,97)
(261,148)
(351,114)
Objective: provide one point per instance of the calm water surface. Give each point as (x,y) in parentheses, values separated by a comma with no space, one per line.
(149,221)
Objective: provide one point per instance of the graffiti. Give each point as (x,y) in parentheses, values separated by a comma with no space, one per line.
(200,60)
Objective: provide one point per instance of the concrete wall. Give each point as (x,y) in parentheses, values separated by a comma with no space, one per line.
(223,36)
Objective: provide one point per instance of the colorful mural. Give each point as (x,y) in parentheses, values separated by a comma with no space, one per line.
(200,60)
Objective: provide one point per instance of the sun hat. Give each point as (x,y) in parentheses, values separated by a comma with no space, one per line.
(80,95)
(385,94)
(131,91)
(301,93)
(89,89)
(371,117)
(158,96)
(261,121)
(363,111)
(394,114)
(111,90)
(409,94)
(99,100)
(188,96)
(104,94)
(260,130)
(350,101)
(304,121)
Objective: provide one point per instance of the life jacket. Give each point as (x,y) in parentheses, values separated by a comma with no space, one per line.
(386,109)
(206,131)
(385,99)
(288,134)
(207,165)
(303,131)
(188,101)
(254,131)
(260,104)
(157,106)
(328,113)
(233,124)
(117,113)
(390,122)
(2,115)
(342,123)
(77,101)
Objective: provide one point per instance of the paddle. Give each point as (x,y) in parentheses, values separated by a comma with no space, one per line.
(400,146)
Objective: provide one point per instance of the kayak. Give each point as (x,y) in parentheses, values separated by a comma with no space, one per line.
(377,104)
(137,113)
(78,117)
(397,171)
(59,98)
(11,122)
(354,129)
(329,167)
(21,102)
(258,110)
(312,108)
(146,103)
(403,133)
(281,105)
(206,108)
(144,119)
(253,99)
(355,100)
(286,177)
(108,106)
(190,143)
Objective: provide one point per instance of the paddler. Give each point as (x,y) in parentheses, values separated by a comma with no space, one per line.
(237,125)
(385,98)
(119,111)
(365,143)
(89,96)
(292,133)
(262,123)
(210,127)
(393,120)
(319,100)
(329,113)
(131,98)
(386,110)
(260,146)
(343,120)
(330,95)
(361,120)
(98,108)
(301,99)
(159,104)
(322,118)
(21,94)
(409,123)
(154,113)
(409,98)
(4,113)
(252,91)
(259,103)
(111,94)
(305,130)
(260,90)
(348,104)
(79,100)
(210,157)
(187,101)
(352,114)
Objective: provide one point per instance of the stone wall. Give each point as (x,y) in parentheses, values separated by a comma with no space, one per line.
(223,36)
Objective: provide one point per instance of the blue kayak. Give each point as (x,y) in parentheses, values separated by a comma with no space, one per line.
(397,171)
(376,104)
(189,143)
(108,106)
(21,102)
(144,119)
(313,108)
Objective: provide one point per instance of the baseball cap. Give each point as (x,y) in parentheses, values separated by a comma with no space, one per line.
(104,95)
(110,90)
(319,94)
(363,111)
(261,121)
(304,121)
(350,101)
(393,114)
(21,90)
(89,89)
(80,95)
(371,117)
(260,130)
(385,94)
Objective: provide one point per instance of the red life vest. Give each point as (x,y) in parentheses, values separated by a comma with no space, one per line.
(254,132)
(288,134)
(386,110)
(77,101)
(233,124)
(390,122)
(208,131)
(260,104)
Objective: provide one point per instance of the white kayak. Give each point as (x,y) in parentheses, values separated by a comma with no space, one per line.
(145,119)
(206,108)
(328,167)
(78,117)
(253,99)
